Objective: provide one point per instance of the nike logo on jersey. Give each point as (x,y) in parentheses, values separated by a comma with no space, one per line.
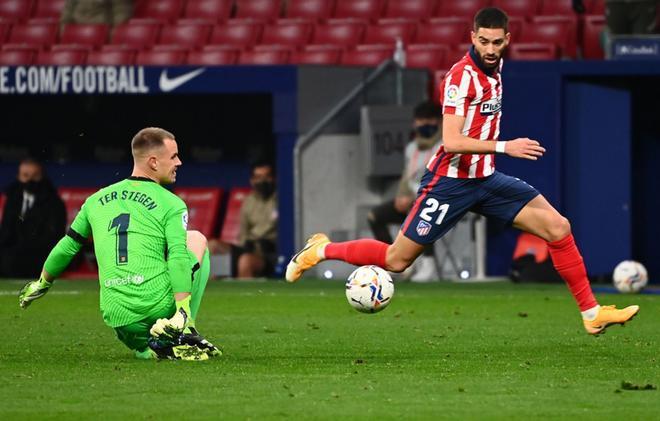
(491,107)
(168,84)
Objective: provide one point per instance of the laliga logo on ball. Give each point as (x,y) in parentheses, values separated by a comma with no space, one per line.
(630,276)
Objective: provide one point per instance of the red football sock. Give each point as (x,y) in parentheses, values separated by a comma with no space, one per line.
(569,264)
(358,252)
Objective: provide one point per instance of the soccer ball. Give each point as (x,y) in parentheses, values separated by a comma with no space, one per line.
(369,289)
(630,276)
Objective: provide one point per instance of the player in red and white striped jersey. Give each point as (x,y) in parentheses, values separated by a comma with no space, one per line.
(461,177)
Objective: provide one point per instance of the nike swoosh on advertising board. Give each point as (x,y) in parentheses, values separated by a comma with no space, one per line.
(168,84)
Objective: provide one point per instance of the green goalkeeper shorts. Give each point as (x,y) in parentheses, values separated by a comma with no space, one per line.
(136,335)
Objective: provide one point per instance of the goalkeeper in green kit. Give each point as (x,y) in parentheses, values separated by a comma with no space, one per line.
(152,271)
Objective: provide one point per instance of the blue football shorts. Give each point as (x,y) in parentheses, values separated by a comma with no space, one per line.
(442,201)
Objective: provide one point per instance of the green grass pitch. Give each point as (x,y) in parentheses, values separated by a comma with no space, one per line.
(454,351)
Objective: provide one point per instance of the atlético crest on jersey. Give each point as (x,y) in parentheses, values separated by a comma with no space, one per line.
(423,228)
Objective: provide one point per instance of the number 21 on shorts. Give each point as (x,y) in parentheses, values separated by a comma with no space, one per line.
(432,205)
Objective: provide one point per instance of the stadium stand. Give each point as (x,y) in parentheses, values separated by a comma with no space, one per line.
(318,54)
(369,10)
(111,58)
(367,55)
(557,30)
(39,35)
(463,8)
(48,9)
(345,34)
(17,57)
(446,31)
(213,55)
(212,10)
(426,56)
(264,10)
(410,9)
(232,220)
(557,8)
(15,10)
(187,35)
(309,9)
(522,8)
(291,34)
(136,35)
(267,55)
(161,57)
(591,30)
(163,10)
(203,207)
(388,32)
(533,52)
(63,55)
(93,35)
(237,33)
(5,27)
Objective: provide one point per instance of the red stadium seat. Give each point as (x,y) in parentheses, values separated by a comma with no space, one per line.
(425,56)
(318,54)
(270,56)
(40,35)
(203,207)
(361,9)
(522,51)
(557,7)
(4,31)
(214,10)
(388,33)
(161,57)
(137,35)
(523,8)
(191,36)
(15,10)
(412,9)
(309,9)
(22,57)
(210,56)
(344,34)
(232,223)
(367,55)
(591,37)
(448,31)
(111,58)
(516,24)
(454,55)
(163,10)
(461,8)
(295,34)
(265,10)
(73,198)
(93,35)
(552,30)
(438,77)
(595,7)
(48,9)
(74,57)
(242,34)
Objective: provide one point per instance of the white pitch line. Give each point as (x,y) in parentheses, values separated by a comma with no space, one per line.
(50,293)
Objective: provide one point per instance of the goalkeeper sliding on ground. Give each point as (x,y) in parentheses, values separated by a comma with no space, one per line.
(152,271)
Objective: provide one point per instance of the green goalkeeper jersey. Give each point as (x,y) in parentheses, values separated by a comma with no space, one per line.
(139,233)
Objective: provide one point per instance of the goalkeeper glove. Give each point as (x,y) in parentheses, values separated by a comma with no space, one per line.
(175,325)
(33,290)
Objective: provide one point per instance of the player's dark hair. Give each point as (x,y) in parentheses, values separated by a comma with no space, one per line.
(149,138)
(427,109)
(492,18)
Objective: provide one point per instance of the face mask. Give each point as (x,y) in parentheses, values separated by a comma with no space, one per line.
(427,130)
(265,188)
(30,186)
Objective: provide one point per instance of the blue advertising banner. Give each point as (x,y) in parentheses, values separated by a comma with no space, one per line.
(635,48)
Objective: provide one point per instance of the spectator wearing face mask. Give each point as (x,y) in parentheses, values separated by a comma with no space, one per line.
(258,225)
(33,221)
(427,124)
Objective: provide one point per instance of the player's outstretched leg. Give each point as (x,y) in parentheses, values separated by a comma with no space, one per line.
(395,257)
(540,218)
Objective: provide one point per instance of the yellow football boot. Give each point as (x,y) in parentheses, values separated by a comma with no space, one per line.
(309,256)
(609,315)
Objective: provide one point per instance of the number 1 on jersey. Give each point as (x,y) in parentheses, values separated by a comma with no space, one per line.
(121,223)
